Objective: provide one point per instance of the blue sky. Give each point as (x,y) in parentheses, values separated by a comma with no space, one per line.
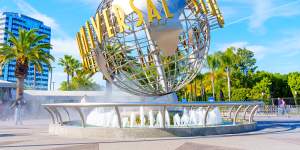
(270,28)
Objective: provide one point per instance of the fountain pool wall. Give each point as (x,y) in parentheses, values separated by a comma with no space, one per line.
(148,120)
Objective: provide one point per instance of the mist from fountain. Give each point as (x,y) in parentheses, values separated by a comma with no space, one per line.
(176,120)
(151,119)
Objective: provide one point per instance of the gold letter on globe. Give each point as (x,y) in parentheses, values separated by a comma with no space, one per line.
(120,15)
(203,7)
(97,27)
(152,11)
(196,5)
(166,9)
(109,28)
(90,33)
(84,40)
(138,12)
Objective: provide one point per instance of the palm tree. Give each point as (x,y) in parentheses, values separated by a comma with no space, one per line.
(26,49)
(70,65)
(81,81)
(227,61)
(213,64)
(200,77)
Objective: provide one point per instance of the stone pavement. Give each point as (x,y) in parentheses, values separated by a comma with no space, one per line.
(273,133)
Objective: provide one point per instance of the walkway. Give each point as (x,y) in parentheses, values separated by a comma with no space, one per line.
(273,134)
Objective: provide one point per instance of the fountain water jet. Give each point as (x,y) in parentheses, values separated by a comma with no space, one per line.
(132,120)
(142,117)
(176,119)
(151,119)
(185,119)
(193,118)
(159,120)
(167,117)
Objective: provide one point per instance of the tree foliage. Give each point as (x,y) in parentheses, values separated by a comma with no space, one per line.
(234,71)
(294,82)
(81,79)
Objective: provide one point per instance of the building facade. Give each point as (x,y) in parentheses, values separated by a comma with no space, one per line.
(12,22)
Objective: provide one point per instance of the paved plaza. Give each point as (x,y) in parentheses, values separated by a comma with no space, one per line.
(274,133)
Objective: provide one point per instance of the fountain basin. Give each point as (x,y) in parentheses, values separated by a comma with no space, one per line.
(142,133)
(189,119)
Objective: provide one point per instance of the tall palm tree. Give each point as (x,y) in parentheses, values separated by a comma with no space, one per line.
(227,61)
(200,77)
(213,64)
(26,49)
(70,65)
(82,80)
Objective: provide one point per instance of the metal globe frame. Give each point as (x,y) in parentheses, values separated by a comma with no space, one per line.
(135,62)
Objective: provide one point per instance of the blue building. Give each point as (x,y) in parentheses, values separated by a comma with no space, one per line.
(12,22)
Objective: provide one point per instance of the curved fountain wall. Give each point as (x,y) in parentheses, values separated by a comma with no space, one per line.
(151,120)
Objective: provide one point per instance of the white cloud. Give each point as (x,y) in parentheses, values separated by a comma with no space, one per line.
(286,46)
(260,15)
(32,12)
(289,45)
(62,46)
(259,50)
(263,10)
(267,9)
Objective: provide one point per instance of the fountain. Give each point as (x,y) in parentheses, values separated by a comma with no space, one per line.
(162,119)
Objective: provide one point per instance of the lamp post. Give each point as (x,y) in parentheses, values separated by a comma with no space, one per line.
(51,78)
(53,86)
(296,95)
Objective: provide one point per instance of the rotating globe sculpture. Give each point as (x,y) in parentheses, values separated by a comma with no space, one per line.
(149,47)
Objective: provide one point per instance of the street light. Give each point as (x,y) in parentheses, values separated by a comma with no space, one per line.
(53,87)
(51,78)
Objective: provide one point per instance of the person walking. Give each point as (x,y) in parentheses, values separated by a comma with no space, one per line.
(17,106)
(222,98)
(283,107)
